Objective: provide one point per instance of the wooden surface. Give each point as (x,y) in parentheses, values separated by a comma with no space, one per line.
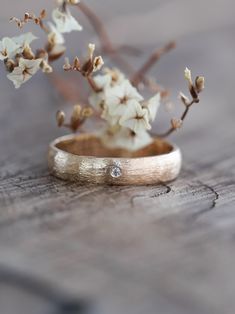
(154,249)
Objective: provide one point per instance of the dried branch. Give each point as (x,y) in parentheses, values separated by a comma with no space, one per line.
(87,68)
(98,26)
(194,89)
(113,52)
(106,44)
(78,118)
(139,76)
(93,85)
(38,20)
(174,125)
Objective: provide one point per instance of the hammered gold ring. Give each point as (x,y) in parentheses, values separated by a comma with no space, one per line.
(84,159)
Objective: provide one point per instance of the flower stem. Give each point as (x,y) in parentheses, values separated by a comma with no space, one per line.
(93,85)
(183,116)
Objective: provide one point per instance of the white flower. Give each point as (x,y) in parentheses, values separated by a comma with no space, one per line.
(124,138)
(65,22)
(152,106)
(136,118)
(56,41)
(25,70)
(97,100)
(132,141)
(112,120)
(8,48)
(117,77)
(24,39)
(55,37)
(110,78)
(56,52)
(119,98)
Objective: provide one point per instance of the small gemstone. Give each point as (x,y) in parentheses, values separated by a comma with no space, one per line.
(115,172)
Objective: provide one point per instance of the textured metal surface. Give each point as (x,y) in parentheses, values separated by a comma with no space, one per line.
(159,162)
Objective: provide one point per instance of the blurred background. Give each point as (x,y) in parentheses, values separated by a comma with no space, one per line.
(203,30)
(205,34)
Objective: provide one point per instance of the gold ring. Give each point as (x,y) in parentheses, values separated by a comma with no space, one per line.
(84,159)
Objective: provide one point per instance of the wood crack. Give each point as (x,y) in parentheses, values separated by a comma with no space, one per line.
(156,195)
(213,203)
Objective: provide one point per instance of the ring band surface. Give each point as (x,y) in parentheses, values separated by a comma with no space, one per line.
(84,159)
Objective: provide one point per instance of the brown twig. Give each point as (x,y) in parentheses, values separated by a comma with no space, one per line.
(195,89)
(113,52)
(38,20)
(139,76)
(93,85)
(184,115)
(106,44)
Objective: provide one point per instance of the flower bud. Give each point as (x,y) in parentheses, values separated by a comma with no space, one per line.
(98,63)
(76,64)
(76,120)
(87,112)
(28,53)
(67,66)
(26,16)
(76,115)
(10,65)
(73,1)
(188,76)
(43,14)
(176,123)
(91,50)
(60,118)
(184,99)
(46,68)
(200,83)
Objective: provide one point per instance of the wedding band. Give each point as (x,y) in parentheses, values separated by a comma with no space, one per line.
(85,160)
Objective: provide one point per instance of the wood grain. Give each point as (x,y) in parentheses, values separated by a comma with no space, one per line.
(166,249)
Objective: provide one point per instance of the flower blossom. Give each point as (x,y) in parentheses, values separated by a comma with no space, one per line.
(24,71)
(65,22)
(24,39)
(136,118)
(119,98)
(54,36)
(55,43)
(124,138)
(110,78)
(152,106)
(9,47)
(127,114)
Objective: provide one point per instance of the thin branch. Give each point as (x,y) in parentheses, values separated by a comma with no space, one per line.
(93,85)
(195,89)
(32,17)
(113,52)
(106,43)
(139,76)
(184,115)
